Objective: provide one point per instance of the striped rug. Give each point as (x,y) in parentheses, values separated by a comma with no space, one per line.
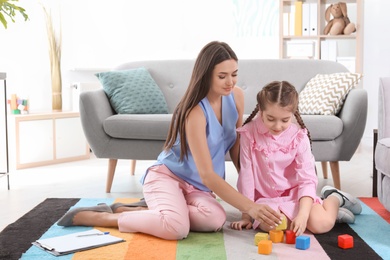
(371,232)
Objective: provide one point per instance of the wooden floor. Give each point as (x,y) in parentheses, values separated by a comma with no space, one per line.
(87,179)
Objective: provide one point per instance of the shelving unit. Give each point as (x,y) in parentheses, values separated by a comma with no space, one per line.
(346,49)
(48,138)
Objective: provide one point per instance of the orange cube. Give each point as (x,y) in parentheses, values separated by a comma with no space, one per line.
(264,247)
(345,241)
(276,236)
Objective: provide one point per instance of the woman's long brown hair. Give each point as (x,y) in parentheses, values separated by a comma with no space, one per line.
(212,54)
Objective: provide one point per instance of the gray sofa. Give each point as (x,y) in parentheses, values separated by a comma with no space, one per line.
(382,149)
(141,137)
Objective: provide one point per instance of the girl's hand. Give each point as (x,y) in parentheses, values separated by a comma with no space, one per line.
(298,225)
(265,215)
(238,225)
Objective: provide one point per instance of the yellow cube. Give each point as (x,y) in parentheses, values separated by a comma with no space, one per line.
(283,225)
(276,236)
(265,247)
(260,236)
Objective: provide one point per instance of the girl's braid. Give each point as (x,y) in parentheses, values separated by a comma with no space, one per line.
(252,115)
(302,124)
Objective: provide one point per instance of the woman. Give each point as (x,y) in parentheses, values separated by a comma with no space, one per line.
(180,187)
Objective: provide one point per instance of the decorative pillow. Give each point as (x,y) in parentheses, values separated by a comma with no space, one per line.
(133,92)
(325,93)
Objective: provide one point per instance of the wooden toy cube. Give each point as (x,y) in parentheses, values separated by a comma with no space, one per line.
(290,237)
(345,241)
(302,242)
(283,225)
(260,236)
(264,247)
(276,236)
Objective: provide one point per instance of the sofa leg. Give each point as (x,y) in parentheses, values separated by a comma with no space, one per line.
(110,175)
(132,166)
(324,166)
(334,167)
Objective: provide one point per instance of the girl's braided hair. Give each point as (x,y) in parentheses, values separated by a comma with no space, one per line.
(282,93)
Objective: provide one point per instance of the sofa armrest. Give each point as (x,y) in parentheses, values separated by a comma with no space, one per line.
(384,108)
(95,108)
(354,117)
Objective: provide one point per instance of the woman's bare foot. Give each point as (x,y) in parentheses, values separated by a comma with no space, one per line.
(92,218)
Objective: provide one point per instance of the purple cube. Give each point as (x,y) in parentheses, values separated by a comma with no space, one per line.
(302,242)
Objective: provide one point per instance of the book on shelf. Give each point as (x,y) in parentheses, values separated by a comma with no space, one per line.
(329,50)
(313,19)
(309,19)
(298,19)
(306,19)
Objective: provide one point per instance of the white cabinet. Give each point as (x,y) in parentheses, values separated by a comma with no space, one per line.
(295,43)
(49,138)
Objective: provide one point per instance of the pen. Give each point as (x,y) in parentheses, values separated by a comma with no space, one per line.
(94,234)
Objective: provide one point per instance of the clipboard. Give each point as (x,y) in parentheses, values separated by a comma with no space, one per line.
(80,241)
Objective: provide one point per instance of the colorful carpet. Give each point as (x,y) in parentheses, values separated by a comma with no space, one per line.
(370,231)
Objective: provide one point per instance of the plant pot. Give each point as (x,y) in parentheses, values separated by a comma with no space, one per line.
(56,85)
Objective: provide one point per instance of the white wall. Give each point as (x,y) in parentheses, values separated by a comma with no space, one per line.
(376,55)
(100,34)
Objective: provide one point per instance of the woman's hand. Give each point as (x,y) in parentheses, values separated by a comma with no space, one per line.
(265,215)
(239,225)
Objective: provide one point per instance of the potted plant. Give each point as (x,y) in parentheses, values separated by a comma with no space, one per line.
(7,8)
(55,42)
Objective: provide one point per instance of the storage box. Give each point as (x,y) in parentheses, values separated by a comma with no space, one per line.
(300,49)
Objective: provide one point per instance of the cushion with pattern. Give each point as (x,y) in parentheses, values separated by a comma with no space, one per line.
(133,91)
(324,94)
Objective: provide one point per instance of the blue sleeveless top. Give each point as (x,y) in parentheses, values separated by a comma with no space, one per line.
(220,138)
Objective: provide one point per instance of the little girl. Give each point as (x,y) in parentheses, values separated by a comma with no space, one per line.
(278,168)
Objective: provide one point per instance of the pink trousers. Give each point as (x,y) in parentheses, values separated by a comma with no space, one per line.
(175,208)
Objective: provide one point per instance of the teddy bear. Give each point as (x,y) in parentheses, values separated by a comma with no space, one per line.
(340,23)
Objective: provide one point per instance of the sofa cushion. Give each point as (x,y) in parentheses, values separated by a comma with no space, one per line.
(155,127)
(146,127)
(323,128)
(324,94)
(382,156)
(133,92)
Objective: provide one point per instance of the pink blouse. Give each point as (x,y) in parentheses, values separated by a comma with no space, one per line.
(276,170)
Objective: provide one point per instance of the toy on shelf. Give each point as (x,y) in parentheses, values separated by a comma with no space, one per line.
(340,23)
(18,105)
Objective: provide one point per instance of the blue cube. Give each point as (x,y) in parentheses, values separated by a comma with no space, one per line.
(302,242)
